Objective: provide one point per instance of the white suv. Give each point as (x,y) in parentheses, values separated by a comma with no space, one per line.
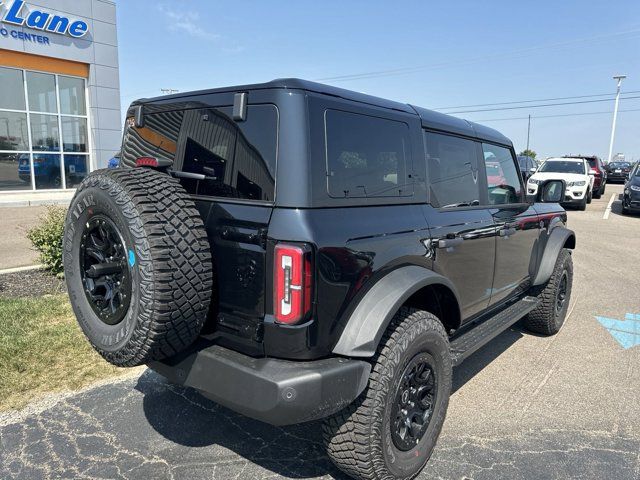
(574,171)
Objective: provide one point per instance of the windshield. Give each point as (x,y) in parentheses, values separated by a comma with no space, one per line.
(563,167)
(620,165)
(637,172)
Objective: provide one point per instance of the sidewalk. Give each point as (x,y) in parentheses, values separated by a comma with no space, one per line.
(15,248)
(30,199)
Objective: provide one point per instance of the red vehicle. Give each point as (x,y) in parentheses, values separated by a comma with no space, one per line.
(596,168)
(495,175)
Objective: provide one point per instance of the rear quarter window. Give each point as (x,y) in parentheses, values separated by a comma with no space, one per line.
(366,156)
(235,159)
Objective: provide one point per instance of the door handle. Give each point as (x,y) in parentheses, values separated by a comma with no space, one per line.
(450,242)
(507,231)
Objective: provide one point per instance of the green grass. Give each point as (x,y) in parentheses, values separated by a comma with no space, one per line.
(42,349)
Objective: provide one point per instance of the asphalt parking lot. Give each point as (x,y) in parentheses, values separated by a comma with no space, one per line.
(523,407)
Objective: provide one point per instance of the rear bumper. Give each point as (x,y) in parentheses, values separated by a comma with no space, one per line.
(279,392)
(617,177)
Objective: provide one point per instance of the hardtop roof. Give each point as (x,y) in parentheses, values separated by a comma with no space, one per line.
(429,118)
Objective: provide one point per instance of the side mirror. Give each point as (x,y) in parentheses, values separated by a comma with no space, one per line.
(551,191)
(533,169)
(592,172)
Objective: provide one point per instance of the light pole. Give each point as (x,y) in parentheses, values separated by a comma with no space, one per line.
(619,78)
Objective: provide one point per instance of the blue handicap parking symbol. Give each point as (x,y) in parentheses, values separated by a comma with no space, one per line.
(626,332)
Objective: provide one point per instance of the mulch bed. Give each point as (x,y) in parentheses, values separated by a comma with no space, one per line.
(32,283)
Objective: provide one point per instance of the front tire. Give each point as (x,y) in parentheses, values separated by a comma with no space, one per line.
(390,431)
(550,314)
(582,206)
(589,196)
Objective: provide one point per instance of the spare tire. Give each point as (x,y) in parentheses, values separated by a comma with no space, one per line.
(137,264)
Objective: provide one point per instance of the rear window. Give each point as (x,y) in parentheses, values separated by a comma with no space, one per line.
(366,156)
(233,159)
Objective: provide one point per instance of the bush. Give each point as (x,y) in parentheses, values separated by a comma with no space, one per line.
(47,239)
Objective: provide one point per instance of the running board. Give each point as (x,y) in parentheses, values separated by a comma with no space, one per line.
(477,337)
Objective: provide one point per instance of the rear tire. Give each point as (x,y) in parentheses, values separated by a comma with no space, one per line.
(365,440)
(137,265)
(549,315)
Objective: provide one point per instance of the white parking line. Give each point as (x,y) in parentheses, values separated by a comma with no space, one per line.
(607,210)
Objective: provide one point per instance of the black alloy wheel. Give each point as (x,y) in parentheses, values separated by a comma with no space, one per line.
(413,404)
(561,294)
(104,270)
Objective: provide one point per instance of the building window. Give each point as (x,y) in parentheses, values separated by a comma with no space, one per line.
(44,131)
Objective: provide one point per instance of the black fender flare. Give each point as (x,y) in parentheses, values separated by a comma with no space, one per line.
(556,240)
(374,312)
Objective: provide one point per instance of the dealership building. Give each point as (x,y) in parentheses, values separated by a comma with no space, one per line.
(60,114)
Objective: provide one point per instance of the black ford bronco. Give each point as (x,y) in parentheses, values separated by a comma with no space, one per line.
(297,252)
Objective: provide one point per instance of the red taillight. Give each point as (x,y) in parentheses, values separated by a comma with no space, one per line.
(146,162)
(293,283)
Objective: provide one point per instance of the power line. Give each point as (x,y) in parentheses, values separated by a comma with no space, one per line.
(537,106)
(609,112)
(517,53)
(538,100)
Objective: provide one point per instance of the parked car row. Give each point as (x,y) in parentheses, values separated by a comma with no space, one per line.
(585,177)
(577,174)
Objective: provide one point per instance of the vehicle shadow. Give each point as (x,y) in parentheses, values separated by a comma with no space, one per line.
(183,416)
(475,363)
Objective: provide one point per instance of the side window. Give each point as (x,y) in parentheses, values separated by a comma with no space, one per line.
(366,156)
(237,159)
(452,164)
(503,180)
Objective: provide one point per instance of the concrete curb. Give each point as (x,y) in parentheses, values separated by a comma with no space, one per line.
(20,269)
(33,203)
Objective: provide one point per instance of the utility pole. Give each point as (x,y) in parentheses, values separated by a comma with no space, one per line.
(619,78)
(168,91)
(528,131)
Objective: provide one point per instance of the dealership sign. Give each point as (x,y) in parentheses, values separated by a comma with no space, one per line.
(18,14)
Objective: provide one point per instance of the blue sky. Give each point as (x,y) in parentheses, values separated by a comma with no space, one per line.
(432,54)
